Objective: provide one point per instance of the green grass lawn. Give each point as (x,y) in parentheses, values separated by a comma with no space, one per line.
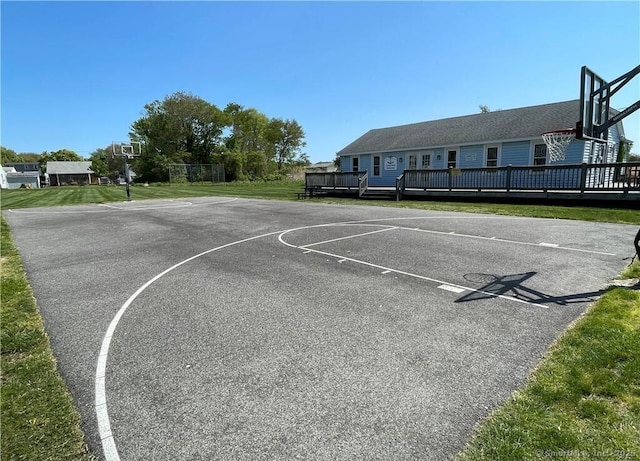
(582,401)
(37,416)
(286,190)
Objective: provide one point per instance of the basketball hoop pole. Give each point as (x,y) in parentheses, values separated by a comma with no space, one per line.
(126,177)
(127,151)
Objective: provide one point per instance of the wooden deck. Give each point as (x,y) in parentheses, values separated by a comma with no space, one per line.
(615,184)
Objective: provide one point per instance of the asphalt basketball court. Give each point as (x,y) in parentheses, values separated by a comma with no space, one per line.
(223,328)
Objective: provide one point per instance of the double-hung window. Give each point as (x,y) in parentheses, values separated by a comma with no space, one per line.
(376,165)
(492,156)
(539,154)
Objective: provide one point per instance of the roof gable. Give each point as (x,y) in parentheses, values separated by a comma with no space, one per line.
(521,123)
(69,167)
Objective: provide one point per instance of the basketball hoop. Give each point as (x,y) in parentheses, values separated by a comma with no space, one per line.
(557,143)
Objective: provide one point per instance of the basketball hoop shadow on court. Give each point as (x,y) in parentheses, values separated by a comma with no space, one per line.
(490,286)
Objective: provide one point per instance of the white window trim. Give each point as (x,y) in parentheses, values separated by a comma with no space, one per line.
(415,157)
(532,153)
(429,154)
(486,154)
(351,163)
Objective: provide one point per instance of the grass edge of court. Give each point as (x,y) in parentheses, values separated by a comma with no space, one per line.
(37,414)
(582,400)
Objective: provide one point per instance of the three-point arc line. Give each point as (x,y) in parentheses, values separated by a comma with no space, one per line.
(104,427)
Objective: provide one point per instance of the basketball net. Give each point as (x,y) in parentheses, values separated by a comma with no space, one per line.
(557,143)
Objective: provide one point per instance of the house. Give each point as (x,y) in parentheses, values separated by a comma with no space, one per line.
(492,139)
(13,179)
(322,167)
(69,173)
(28,167)
(4,184)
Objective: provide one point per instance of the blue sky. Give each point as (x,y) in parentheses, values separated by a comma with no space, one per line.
(76,75)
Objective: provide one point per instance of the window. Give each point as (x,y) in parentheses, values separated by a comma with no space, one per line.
(426,161)
(412,162)
(355,164)
(376,165)
(452,157)
(492,156)
(540,154)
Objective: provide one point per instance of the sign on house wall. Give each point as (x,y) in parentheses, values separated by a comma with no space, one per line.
(391,163)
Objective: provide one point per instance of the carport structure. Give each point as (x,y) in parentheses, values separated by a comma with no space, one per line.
(69,173)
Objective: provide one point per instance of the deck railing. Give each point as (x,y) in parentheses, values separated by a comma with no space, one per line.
(581,177)
(336,180)
(363,183)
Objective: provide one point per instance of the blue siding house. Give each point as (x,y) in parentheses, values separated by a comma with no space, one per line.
(492,139)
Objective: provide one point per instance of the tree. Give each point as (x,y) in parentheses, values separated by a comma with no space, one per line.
(248,128)
(182,128)
(62,155)
(484,109)
(104,164)
(8,156)
(256,165)
(233,163)
(30,157)
(285,138)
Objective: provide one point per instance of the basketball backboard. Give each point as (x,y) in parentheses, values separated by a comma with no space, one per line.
(594,104)
(128,149)
(596,116)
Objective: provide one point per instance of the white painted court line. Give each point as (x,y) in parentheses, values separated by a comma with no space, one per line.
(348,237)
(515,242)
(109,448)
(105,208)
(451,288)
(342,259)
(102,414)
(369,222)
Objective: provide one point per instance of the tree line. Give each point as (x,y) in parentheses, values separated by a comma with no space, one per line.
(186,129)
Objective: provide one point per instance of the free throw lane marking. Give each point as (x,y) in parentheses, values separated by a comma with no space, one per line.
(390,269)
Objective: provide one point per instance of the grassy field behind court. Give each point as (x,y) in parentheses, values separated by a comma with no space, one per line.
(286,190)
(582,402)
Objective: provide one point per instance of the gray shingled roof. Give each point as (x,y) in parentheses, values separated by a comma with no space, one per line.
(522,123)
(69,167)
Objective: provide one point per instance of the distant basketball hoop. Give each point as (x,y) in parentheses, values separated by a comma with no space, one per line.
(557,143)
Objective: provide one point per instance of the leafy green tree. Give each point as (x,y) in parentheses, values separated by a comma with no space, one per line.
(285,139)
(8,156)
(256,165)
(30,157)
(233,163)
(62,155)
(181,128)
(248,128)
(104,164)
